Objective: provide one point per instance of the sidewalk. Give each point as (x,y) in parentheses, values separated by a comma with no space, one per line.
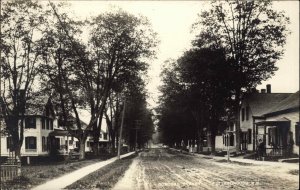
(249,161)
(68,179)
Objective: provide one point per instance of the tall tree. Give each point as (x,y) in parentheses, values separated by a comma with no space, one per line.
(68,72)
(208,80)
(120,43)
(253,36)
(21,25)
(176,122)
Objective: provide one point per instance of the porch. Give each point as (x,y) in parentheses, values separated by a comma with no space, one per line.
(276,137)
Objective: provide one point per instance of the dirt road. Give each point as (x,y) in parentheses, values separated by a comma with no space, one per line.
(167,169)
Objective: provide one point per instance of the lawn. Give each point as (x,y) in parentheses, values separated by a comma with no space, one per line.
(33,175)
(104,178)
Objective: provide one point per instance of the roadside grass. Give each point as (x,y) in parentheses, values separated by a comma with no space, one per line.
(33,175)
(104,178)
(235,162)
(294,172)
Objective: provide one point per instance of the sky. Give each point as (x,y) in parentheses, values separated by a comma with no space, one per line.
(172,20)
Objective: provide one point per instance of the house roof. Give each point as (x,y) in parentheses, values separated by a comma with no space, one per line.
(289,103)
(261,103)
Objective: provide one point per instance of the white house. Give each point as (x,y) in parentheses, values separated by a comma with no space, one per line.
(38,123)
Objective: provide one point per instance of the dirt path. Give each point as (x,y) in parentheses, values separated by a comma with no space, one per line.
(166,169)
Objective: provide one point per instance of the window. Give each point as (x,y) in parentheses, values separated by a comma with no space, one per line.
(247,113)
(30,143)
(43,123)
(243,114)
(47,143)
(9,142)
(223,139)
(231,139)
(297,133)
(105,136)
(47,123)
(249,137)
(44,144)
(30,123)
(51,124)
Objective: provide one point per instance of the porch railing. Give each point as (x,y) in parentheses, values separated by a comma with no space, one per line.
(276,151)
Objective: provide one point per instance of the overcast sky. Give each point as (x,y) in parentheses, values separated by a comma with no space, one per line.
(172,21)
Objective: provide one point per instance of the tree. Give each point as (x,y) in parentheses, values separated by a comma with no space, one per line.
(197,89)
(175,118)
(21,25)
(120,43)
(138,123)
(132,90)
(253,36)
(69,73)
(207,77)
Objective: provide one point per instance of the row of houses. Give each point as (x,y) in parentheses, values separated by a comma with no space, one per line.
(272,118)
(42,132)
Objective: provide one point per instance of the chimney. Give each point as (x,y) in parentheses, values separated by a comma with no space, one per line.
(268,88)
(263,91)
(253,90)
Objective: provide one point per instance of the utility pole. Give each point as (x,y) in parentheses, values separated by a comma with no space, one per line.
(137,127)
(0,72)
(228,152)
(121,130)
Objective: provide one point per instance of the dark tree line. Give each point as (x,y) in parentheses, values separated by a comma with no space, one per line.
(243,39)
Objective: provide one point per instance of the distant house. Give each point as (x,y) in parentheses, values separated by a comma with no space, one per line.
(66,143)
(39,122)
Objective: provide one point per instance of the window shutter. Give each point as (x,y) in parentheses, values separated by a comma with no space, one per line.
(247,113)
(243,114)
(297,134)
(249,137)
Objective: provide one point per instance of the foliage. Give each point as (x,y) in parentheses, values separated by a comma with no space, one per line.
(253,36)
(196,92)
(21,25)
(120,44)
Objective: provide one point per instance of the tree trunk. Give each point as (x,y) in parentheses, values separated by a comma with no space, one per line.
(238,129)
(18,153)
(81,149)
(113,143)
(96,136)
(213,143)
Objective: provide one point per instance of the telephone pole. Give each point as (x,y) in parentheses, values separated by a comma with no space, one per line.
(121,129)
(137,127)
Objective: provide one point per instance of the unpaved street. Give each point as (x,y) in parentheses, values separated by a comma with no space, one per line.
(167,169)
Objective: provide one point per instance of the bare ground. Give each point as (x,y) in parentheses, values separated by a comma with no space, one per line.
(167,169)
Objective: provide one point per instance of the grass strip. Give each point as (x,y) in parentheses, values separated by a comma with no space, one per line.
(33,175)
(104,178)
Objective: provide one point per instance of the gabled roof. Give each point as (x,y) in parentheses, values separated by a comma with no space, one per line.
(261,103)
(289,103)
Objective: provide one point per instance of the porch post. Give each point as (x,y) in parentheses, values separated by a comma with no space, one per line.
(265,141)
(256,133)
(253,133)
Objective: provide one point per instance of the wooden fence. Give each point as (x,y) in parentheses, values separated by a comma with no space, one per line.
(9,172)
